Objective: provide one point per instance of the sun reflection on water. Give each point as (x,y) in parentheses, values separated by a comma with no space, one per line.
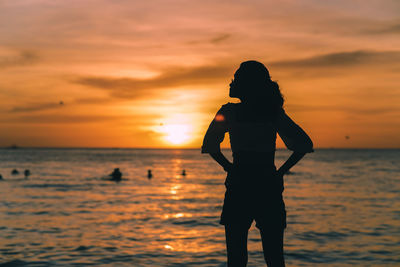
(168,247)
(177,215)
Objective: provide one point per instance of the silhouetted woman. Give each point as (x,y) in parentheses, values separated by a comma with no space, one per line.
(253,185)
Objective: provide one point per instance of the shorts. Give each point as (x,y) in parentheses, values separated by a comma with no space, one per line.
(254,195)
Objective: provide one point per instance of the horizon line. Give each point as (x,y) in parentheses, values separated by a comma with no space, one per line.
(172,148)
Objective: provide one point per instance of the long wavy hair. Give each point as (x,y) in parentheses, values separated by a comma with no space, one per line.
(253,84)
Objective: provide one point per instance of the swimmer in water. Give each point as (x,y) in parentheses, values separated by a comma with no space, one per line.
(116,175)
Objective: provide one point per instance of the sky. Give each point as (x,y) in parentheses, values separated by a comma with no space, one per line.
(153,73)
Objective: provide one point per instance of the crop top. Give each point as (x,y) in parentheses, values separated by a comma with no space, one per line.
(251,131)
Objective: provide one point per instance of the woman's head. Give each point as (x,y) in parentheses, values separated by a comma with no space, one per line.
(253,82)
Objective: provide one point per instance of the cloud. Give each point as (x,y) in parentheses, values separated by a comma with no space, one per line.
(38,107)
(92,100)
(221,38)
(33,107)
(172,77)
(23,58)
(391,29)
(341,59)
(62,119)
(350,109)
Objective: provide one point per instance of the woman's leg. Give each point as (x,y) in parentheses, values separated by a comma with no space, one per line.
(236,244)
(272,241)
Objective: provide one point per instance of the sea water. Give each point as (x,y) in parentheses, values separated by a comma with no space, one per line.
(343,209)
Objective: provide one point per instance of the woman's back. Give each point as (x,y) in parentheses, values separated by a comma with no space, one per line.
(253,130)
(250,129)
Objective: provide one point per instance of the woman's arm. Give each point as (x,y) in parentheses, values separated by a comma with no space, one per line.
(290,162)
(215,135)
(294,138)
(222,160)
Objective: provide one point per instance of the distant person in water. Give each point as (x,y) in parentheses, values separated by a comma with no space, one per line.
(149,174)
(1,177)
(27,173)
(183,173)
(116,175)
(253,184)
(14,172)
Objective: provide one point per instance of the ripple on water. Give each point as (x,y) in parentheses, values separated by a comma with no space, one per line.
(61,187)
(82,248)
(322,237)
(193,223)
(21,263)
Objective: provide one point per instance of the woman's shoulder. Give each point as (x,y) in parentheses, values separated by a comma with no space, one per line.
(229,106)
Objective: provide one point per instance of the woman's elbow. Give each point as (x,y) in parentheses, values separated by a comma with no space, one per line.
(304,147)
(308,146)
(210,149)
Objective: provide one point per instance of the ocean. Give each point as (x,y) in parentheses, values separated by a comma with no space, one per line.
(343,209)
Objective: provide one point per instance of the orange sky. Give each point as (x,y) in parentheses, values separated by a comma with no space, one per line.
(136,73)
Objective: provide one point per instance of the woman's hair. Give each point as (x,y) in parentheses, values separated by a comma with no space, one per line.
(253,82)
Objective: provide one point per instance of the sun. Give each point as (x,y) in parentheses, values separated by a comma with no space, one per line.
(174,130)
(176,134)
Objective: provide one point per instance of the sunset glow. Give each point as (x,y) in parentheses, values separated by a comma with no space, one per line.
(177,134)
(108,73)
